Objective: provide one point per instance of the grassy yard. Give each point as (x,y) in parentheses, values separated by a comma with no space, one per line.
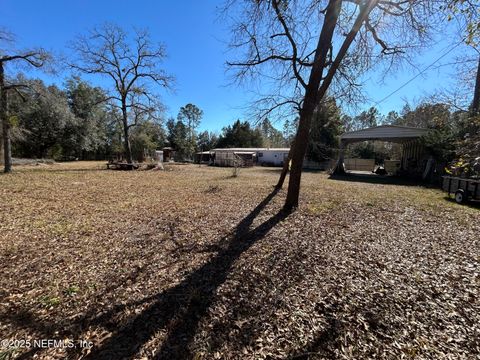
(193,263)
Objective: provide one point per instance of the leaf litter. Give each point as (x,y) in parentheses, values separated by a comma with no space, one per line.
(156,265)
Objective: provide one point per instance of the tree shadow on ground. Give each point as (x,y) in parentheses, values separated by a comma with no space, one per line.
(25,318)
(178,310)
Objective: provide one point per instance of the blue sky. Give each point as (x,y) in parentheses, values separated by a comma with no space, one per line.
(196,45)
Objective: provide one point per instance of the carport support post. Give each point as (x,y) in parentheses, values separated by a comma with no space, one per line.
(340,166)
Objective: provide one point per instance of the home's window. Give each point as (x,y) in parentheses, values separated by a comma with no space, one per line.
(260,154)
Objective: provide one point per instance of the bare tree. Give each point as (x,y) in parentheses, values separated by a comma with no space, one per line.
(10,56)
(133,67)
(306,48)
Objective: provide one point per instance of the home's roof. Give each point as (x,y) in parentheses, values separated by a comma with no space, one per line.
(392,133)
(245,152)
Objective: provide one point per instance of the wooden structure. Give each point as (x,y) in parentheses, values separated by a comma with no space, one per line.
(204,157)
(251,156)
(168,154)
(234,157)
(159,156)
(414,155)
(360,164)
(315,165)
(463,188)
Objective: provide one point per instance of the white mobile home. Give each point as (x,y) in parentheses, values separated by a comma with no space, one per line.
(272,156)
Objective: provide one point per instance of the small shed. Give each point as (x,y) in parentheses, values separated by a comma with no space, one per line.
(168,154)
(415,158)
(159,156)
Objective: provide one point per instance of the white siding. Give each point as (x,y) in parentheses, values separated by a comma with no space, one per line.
(275,157)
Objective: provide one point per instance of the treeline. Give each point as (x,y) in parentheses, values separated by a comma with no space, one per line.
(74,122)
(124,119)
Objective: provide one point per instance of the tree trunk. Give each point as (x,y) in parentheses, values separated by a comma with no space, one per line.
(126,135)
(298,154)
(192,141)
(310,101)
(314,93)
(286,166)
(127,145)
(476,95)
(7,144)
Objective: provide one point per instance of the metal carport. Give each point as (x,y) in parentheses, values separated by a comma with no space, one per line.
(409,137)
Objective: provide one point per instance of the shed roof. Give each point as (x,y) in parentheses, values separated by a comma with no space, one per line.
(392,133)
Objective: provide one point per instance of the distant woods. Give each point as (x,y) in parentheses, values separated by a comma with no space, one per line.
(73,122)
(125,119)
(10,57)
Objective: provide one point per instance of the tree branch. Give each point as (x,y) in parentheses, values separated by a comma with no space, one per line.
(361,18)
(385,48)
(292,43)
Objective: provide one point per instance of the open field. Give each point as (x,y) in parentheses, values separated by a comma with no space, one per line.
(193,263)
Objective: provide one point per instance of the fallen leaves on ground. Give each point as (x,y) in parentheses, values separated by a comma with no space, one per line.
(194,263)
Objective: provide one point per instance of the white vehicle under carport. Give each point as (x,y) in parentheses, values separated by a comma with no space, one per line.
(465,189)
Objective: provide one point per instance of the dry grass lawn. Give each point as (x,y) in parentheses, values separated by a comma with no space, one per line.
(193,263)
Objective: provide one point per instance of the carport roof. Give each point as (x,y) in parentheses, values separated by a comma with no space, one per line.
(391,133)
